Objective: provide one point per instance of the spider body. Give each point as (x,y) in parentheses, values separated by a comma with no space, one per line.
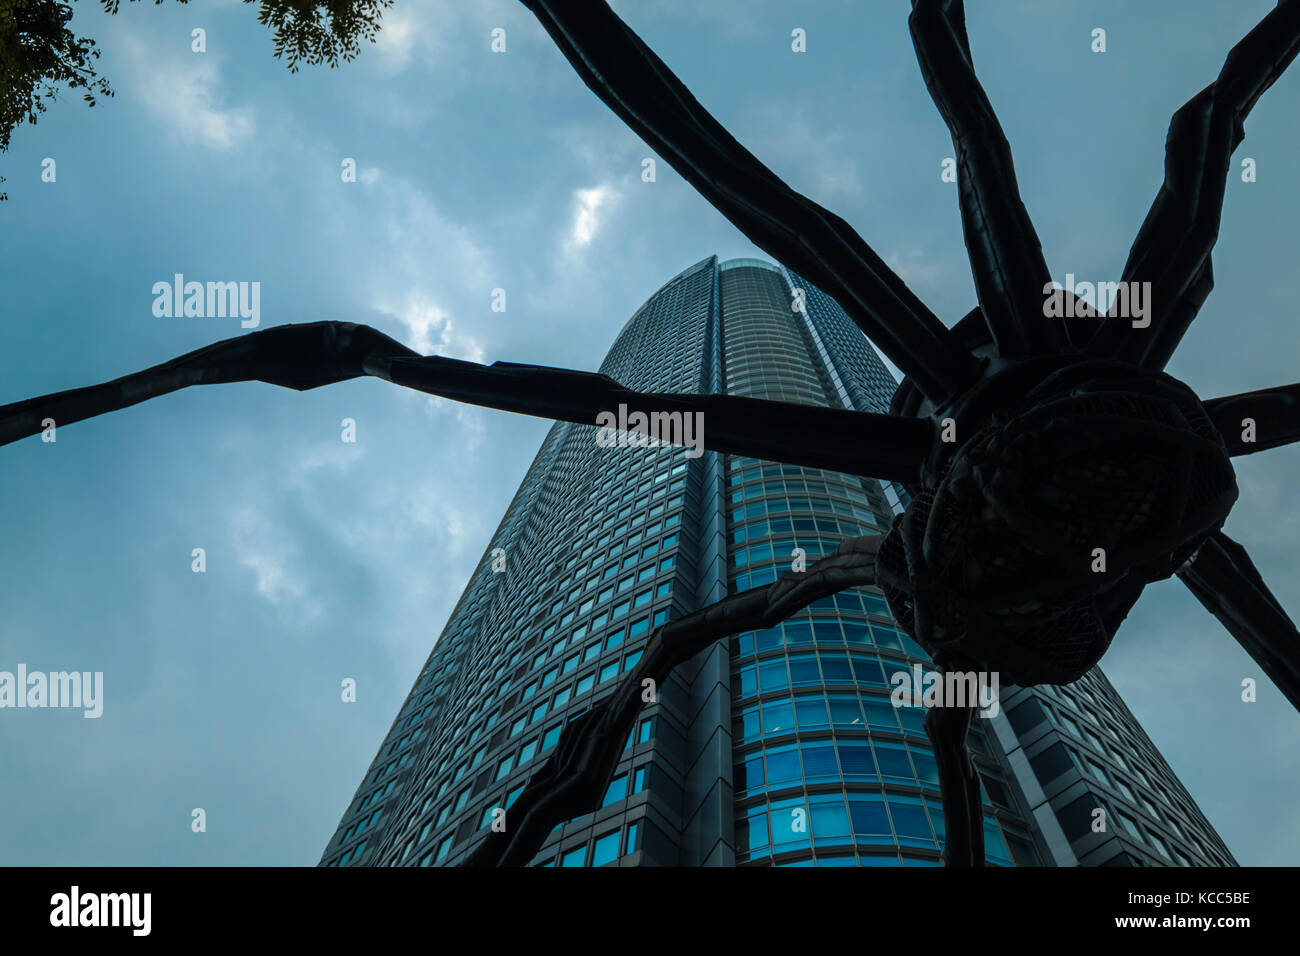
(1077,477)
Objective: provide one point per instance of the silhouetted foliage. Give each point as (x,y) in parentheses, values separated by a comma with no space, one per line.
(39,54)
(321,32)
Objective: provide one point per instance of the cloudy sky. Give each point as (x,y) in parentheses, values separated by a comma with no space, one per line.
(477,170)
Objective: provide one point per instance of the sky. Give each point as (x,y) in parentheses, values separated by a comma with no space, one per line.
(329,560)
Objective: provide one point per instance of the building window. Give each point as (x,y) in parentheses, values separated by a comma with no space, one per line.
(605,849)
(617,791)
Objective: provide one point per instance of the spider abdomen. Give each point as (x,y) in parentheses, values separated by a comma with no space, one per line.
(1103,473)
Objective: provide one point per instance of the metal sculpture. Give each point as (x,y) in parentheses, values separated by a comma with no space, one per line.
(1060,439)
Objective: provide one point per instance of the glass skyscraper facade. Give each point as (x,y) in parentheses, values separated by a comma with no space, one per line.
(776,747)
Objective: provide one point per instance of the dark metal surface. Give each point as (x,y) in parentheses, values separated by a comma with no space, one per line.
(1025,452)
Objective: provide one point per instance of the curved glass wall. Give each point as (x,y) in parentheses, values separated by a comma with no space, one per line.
(776,747)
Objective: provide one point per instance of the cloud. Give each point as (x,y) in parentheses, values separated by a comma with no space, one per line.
(399,31)
(914,268)
(807,146)
(430,330)
(185,95)
(337,456)
(264,551)
(443,35)
(422,244)
(588,209)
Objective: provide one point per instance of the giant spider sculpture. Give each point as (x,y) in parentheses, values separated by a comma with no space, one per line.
(1060,440)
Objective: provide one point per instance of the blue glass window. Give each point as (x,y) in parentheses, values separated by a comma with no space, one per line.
(575,857)
(846,712)
(870,823)
(443,847)
(617,790)
(751,830)
(811,712)
(798,633)
(927,771)
(749,774)
(629,845)
(994,846)
(894,765)
(605,849)
(782,766)
(886,637)
(748,682)
(789,823)
(856,760)
(867,670)
(819,764)
(830,821)
(552,737)
(772,675)
(835,668)
(875,605)
(912,719)
(778,717)
(881,714)
(910,823)
(803,670)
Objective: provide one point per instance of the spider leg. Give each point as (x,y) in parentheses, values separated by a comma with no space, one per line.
(1275,413)
(959,785)
(573,780)
(322,353)
(1006,257)
(1226,581)
(1172,249)
(632,81)
(882,446)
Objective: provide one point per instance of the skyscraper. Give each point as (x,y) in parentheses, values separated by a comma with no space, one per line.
(776,747)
